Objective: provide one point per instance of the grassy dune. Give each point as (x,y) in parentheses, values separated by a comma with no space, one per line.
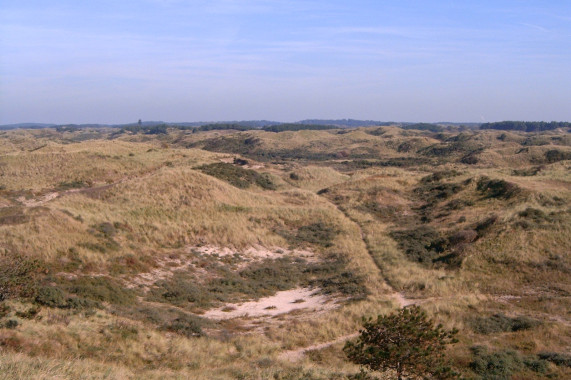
(102,273)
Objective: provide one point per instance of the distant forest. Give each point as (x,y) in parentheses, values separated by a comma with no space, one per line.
(526,126)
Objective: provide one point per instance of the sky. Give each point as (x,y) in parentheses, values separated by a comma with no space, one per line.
(104,61)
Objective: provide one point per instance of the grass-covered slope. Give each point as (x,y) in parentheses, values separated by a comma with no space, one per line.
(121,254)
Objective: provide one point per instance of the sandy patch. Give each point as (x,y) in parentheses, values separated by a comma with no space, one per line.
(280,303)
(254,167)
(254,253)
(168,266)
(38,202)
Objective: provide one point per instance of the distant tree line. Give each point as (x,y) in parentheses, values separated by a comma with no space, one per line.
(161,129)
(526,126)
(224,126)
(424,127)
(268,128)
(297,127)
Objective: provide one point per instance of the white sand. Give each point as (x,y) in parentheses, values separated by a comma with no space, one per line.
(279,303)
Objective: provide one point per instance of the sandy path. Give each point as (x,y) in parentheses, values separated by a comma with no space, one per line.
(53,195)
(297,354)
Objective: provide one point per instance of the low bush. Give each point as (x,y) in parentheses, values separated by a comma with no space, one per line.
(100,289)
(485,225)
(55,297)
(555,155)
(180,290)
(186,325)
(433,193)
(503,364)
(458,204)
(421,244)
(528,172)
(560,359)
(51,296)
(439,176)
(319,233)
(497,188)
(500,323)
(238,176)
(332,276)
(11,324)
(19,276)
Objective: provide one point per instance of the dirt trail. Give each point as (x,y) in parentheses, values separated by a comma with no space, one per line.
(56,194)
(298,354)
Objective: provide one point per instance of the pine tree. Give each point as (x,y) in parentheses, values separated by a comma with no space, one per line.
(406,342)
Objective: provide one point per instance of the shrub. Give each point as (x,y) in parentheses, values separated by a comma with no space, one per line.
(317,233)
(187,325)
(503,364)
(11,324)
(433,193)
(527,172)
(238,176)
(500,323)
(555,155)
(420,244)
(557,358)
(497,188)
(101,289)
(485,225)
(499,365)
(180,290)
(51,297)
(406,342)
(19,276)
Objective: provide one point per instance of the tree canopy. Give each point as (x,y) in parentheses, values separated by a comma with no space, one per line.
(406,342)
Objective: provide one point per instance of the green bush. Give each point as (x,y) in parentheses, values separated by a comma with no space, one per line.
(319,233)
(421,244)
(19,276)
(187,325)
(51,297)
(555,155)
(180,290)
(497,188)
(100,289)
(500,365)
(563,360)
(500,323)
(238,176)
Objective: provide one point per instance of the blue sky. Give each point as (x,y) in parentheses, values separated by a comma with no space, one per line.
(173,60)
